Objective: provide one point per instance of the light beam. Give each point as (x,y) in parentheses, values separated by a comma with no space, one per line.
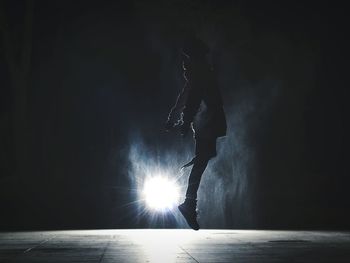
(160,193)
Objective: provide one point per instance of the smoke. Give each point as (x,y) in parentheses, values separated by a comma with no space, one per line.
(151,160)
(226,191)
(229,180)
(226,194)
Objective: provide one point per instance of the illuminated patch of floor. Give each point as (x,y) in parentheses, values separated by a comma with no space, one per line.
(167,246)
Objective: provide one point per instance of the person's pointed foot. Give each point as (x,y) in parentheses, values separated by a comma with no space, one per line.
(190,214)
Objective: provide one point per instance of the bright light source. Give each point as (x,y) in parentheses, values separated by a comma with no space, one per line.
(160,193)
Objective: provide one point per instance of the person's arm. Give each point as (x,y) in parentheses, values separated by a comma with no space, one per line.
(174,115)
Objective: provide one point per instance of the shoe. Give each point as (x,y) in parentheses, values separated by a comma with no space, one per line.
(190,214)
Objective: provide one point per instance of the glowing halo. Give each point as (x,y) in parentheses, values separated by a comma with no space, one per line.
(160,193)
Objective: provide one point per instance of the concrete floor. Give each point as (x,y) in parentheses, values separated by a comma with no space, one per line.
(168,246)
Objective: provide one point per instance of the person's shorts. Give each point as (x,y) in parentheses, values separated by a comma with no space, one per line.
(205,148)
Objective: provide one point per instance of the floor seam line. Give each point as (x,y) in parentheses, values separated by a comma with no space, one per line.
(105,249)
(41,243)
(189,254)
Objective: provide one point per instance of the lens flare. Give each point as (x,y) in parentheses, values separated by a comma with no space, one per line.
(160,193)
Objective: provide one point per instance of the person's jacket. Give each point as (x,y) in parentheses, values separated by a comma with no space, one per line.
(200,100)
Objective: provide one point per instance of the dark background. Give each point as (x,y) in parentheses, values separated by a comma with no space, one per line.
(83,82)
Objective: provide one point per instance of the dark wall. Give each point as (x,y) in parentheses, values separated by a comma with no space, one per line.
(103,73)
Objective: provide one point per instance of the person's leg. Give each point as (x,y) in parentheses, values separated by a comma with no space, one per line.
(194,179)
(205,150)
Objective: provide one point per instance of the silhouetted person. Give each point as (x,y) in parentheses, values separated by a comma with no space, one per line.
(198,106)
